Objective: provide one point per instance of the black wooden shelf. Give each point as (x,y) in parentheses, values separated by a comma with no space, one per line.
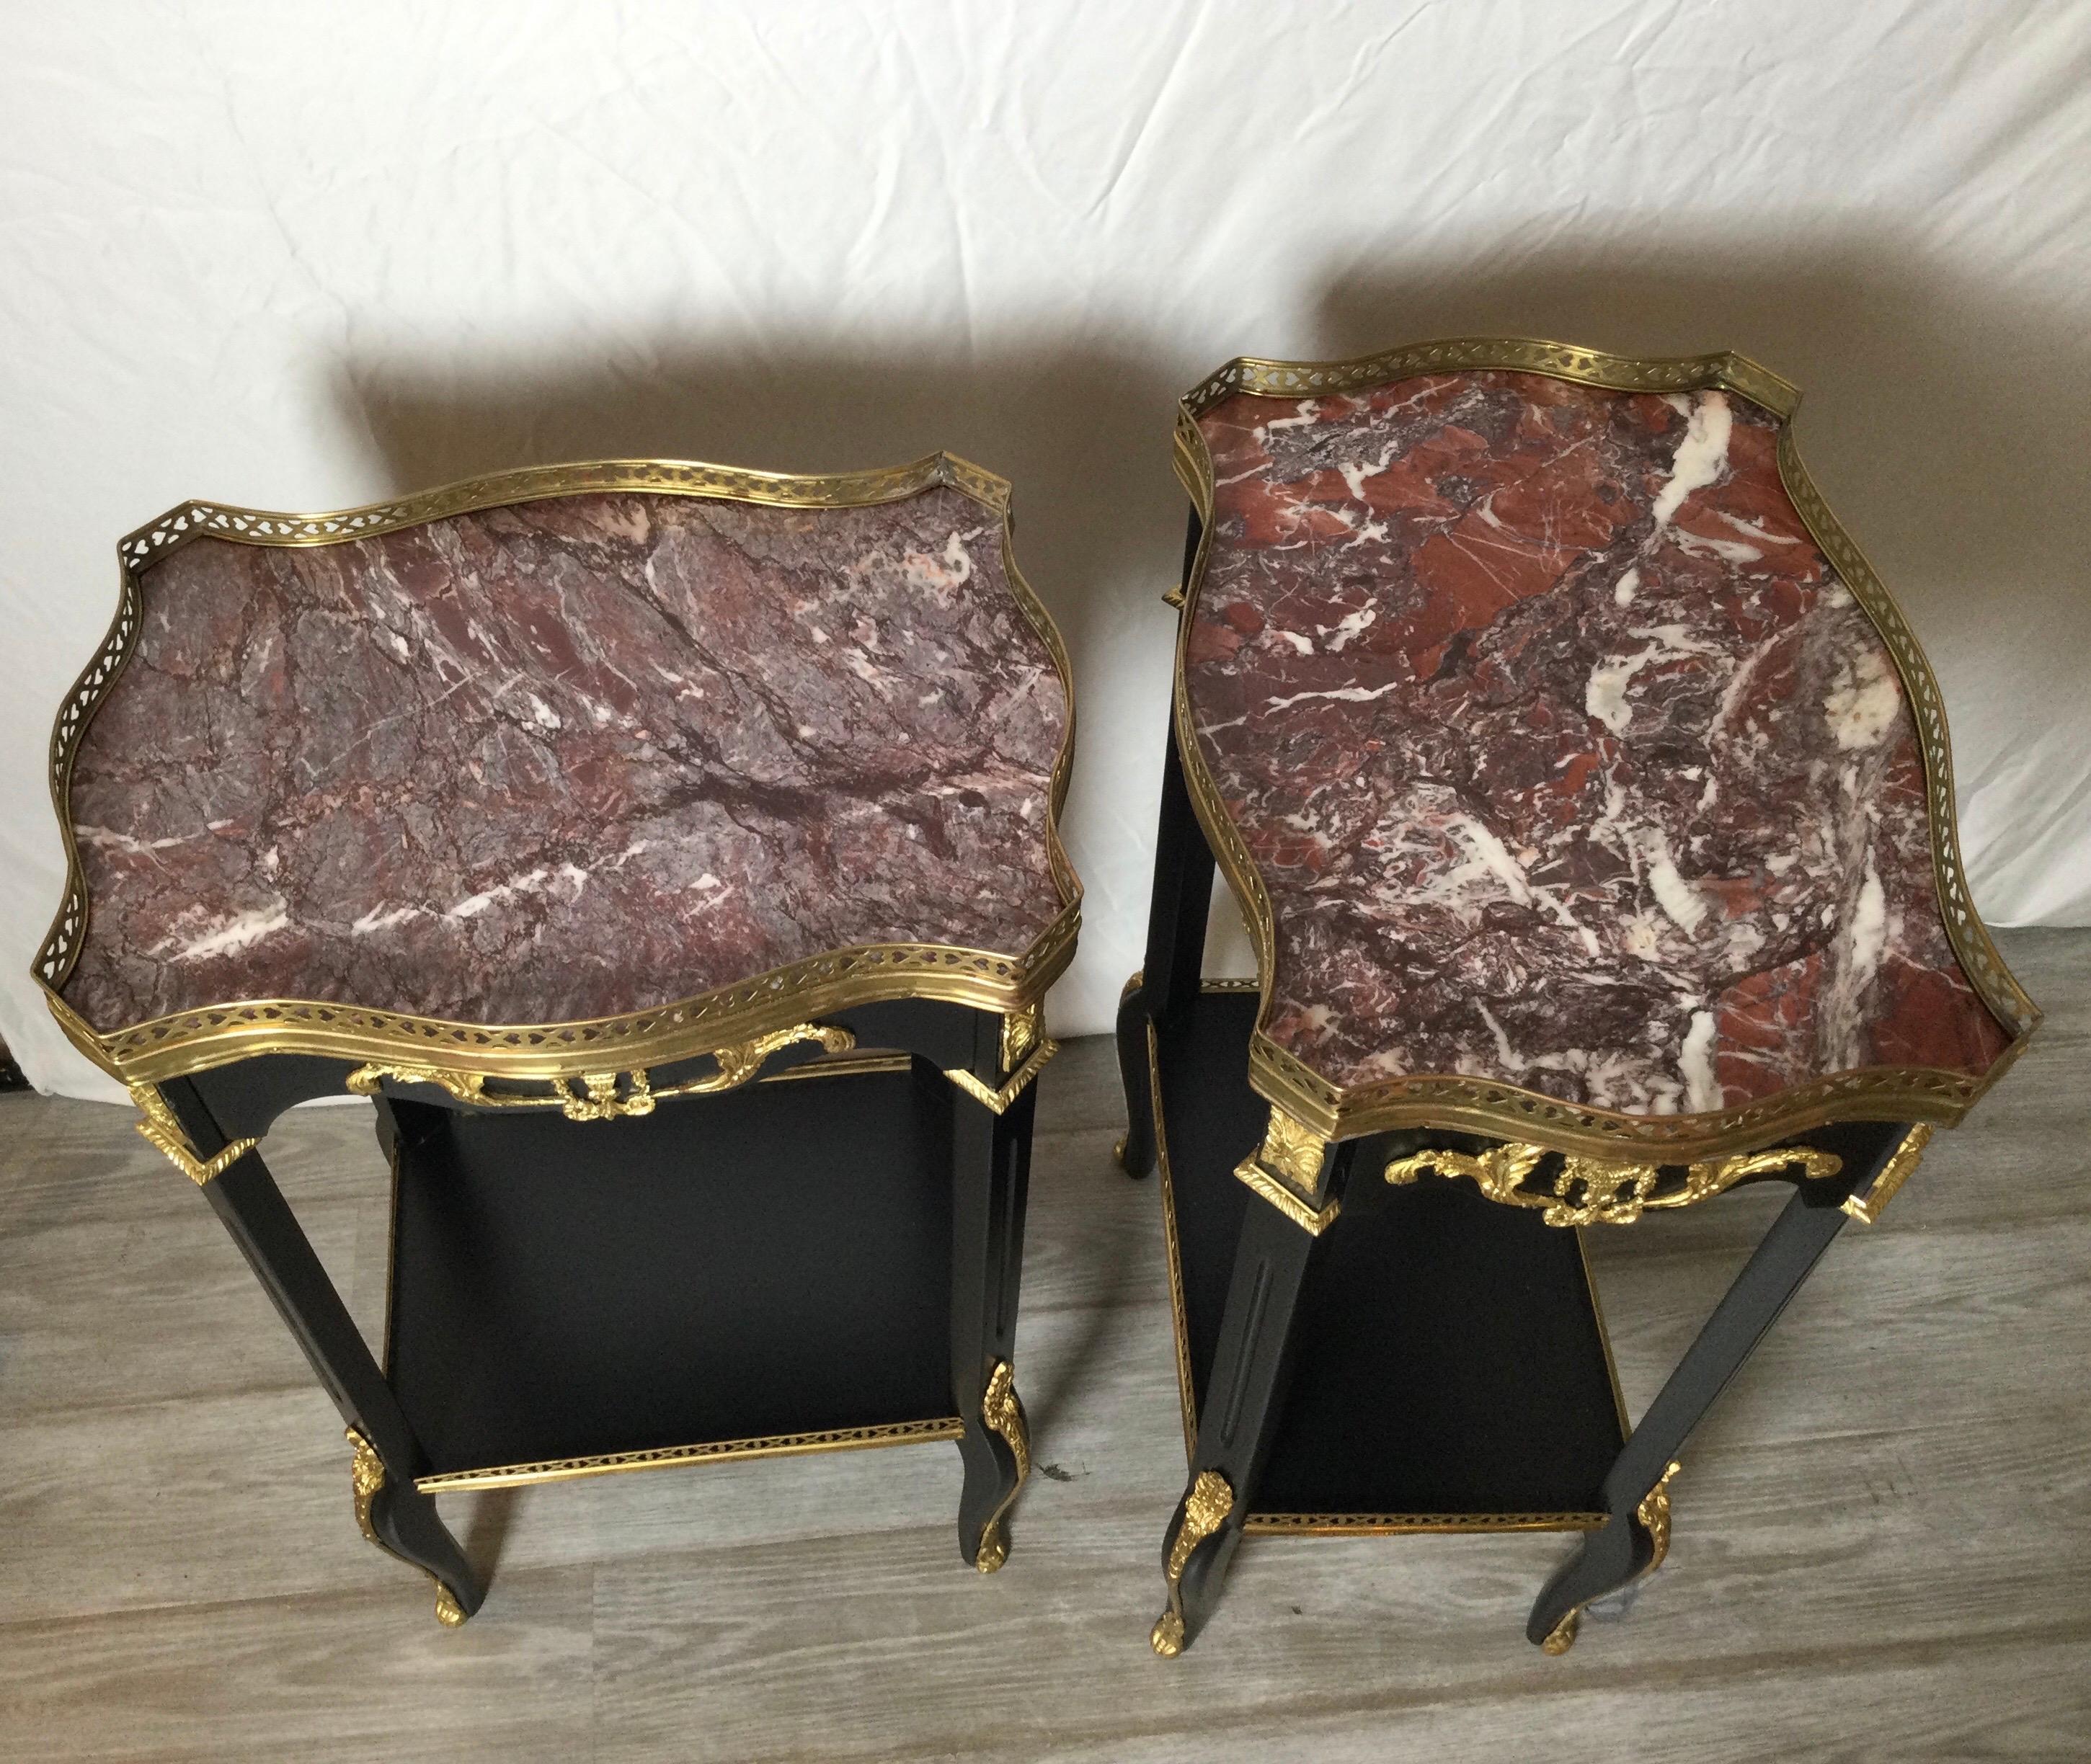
(763,1265)
(1451,1370)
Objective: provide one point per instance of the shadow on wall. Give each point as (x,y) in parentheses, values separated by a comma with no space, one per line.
(1947,422)
(1083,435)
(1947,419)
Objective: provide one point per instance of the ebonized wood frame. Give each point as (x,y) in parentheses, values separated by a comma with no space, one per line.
(990,1171)
(1257,1346)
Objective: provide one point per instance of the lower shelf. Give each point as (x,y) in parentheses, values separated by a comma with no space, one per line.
(760,1273)
(1451,1371)
(661,1457)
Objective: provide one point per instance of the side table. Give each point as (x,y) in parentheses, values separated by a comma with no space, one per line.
(670,852)
(1589,805)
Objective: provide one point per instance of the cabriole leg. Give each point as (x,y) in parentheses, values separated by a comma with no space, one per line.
(1135,1150)
(402,1522)
(391,1513)
(990,1168)
(1635,1535)
(1244,1396)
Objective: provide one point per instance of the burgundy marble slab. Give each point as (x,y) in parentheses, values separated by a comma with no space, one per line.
(566,759)
(1567,759)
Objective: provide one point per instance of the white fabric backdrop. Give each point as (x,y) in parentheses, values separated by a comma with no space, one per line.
(303,256)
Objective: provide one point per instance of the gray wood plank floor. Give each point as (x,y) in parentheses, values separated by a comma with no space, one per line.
(1882,1549)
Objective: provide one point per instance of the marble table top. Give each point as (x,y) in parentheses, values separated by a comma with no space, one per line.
(552,760)
(1565,759)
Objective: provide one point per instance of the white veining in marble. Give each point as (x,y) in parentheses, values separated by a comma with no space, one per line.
(1561,748)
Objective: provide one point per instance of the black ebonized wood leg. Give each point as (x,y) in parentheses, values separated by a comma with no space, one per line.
(991,1174)
(393,1514)
(1244,1397)
(1169,979)
(1635,1535)
(1137,1149)
(403,1522)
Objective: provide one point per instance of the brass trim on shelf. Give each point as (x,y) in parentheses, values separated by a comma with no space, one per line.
(1014,1087)
(608,1099)
(159,1129)
(189,1041)
(782,1445)
(1185,1394)
(1206,984)
(1205,1510)
(1602,1191)
(366,1475)
(1002,1409)
(1868,1207)
(1508,1111)
(1412,1525)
